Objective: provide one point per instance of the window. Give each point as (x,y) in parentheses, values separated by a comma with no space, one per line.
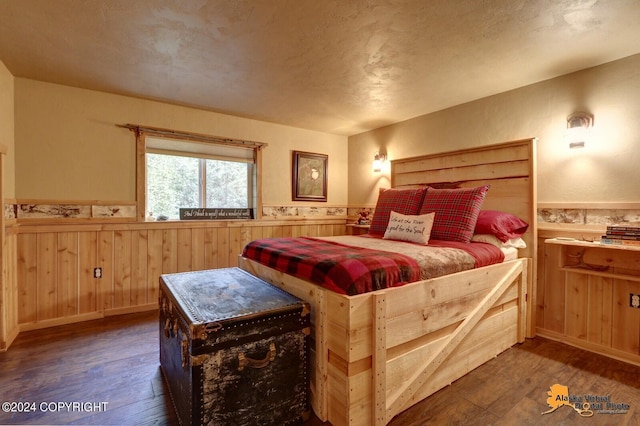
(185,170)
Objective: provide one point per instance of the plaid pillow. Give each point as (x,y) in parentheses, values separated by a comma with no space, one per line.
(456,211)
(403,201)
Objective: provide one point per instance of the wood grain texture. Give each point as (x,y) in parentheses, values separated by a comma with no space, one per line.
(586,291)
(54,265)
(116,360)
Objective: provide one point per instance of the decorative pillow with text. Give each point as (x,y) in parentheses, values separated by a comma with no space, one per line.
(411,228)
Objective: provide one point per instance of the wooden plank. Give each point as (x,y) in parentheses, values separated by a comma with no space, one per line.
(12,293)
(27,276)
(518,150)
(183,252)
(464,173)
(223,248)
(439,302)
(576,304)
(106,262)
(139,263)
(628,259)
(122,269)
(67,273)
(47,286)
(211,257)
(88,260)
(379,363)
(599,310)
(197,249)
(169,251)
(554,292)
(406,392)
(154,264)
(626,319)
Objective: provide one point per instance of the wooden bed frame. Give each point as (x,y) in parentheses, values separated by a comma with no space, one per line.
(377,354)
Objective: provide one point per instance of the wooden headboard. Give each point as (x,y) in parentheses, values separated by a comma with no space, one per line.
(510,169)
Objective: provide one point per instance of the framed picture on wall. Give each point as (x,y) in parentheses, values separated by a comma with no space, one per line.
(309,176)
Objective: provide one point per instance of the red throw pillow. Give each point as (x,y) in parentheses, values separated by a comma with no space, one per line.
(403,201)
(456,211)
(504,226)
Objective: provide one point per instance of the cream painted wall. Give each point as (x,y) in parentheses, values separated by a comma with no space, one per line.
(69,148)
(7,129)
(606,170)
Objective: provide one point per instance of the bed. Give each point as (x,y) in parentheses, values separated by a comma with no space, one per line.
(377,353)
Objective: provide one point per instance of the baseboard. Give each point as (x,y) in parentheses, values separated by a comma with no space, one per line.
(36,325)
(131,309)
(587,346)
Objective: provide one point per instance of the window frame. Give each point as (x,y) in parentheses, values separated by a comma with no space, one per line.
(142,132)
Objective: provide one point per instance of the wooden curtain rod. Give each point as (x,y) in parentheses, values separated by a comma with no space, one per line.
(196,137)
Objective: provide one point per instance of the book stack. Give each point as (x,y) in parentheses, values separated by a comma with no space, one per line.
(618,234)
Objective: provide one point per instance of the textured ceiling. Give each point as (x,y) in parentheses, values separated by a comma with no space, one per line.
(337,66)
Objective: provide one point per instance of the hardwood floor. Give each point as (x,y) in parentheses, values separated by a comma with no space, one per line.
(111,367)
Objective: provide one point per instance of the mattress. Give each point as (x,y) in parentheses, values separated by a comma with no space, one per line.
(436,259)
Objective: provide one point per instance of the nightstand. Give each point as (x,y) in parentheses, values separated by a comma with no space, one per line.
(355,229)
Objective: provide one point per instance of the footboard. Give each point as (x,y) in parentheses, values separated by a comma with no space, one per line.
(376,354)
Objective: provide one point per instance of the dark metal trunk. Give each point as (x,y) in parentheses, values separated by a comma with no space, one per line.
(233,349)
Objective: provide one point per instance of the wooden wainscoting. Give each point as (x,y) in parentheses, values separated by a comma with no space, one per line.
(9,323)
(56,263)
(585,292)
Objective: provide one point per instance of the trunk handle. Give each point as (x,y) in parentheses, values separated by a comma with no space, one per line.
(244,361)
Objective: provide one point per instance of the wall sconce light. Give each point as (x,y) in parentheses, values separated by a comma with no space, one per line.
(578,127)
(378,161)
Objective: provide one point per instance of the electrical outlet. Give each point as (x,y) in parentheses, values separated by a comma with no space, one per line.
(97,272)
(634,300)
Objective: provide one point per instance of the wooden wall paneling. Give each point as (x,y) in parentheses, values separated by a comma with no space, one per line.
(576,305)
(540,291)
(626,320)
(169,251)
(286,231)
(223,248)
(88,286)
(197,249)
(326,230)
(554,289)
(600,310)
(139,260)
(184,249)
(106,290)
(67,278)
(54,263)
(121,269)
(47,289)
(210,248)
(10,302)
(270,231)
(154,263)
(310,230)
(27,277)
(238,238)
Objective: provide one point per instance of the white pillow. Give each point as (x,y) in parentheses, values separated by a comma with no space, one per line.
(492,239)
(412,228)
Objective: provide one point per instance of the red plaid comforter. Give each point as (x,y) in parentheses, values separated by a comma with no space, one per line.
(341,268)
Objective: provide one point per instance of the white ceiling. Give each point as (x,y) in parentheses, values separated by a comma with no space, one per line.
(337,66)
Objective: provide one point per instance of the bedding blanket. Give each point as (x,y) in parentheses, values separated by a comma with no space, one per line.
(341,268)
